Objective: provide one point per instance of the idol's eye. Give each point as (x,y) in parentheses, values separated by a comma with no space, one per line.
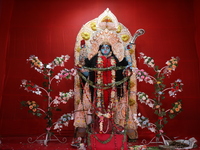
(105,47)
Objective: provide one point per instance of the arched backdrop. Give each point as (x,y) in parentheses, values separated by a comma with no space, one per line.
(48,29)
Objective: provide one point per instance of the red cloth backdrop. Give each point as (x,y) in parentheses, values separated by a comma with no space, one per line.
(48,29)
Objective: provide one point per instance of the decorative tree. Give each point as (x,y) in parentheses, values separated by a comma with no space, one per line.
(45,90)
(160,89)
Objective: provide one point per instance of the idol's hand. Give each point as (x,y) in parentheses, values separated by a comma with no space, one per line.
(129,66)
(78,67)
(129,46)
(83,70)
(128,70)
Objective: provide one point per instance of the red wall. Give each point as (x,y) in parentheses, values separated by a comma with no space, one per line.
(49,28)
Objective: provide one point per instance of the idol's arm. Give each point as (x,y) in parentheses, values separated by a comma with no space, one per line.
(128,57)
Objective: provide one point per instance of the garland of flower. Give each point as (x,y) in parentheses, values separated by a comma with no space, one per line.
(87,129)
(126,118)
(100,141)
(106,86)
(100,102)
(89,133)
(105,69)
(105,141)
(99,90)
(103,86)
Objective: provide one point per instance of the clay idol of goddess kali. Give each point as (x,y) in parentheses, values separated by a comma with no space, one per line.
(105,87)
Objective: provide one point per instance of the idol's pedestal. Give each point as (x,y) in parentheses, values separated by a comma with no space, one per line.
(107,141)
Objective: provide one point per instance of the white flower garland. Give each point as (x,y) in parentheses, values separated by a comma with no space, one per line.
(99,92)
